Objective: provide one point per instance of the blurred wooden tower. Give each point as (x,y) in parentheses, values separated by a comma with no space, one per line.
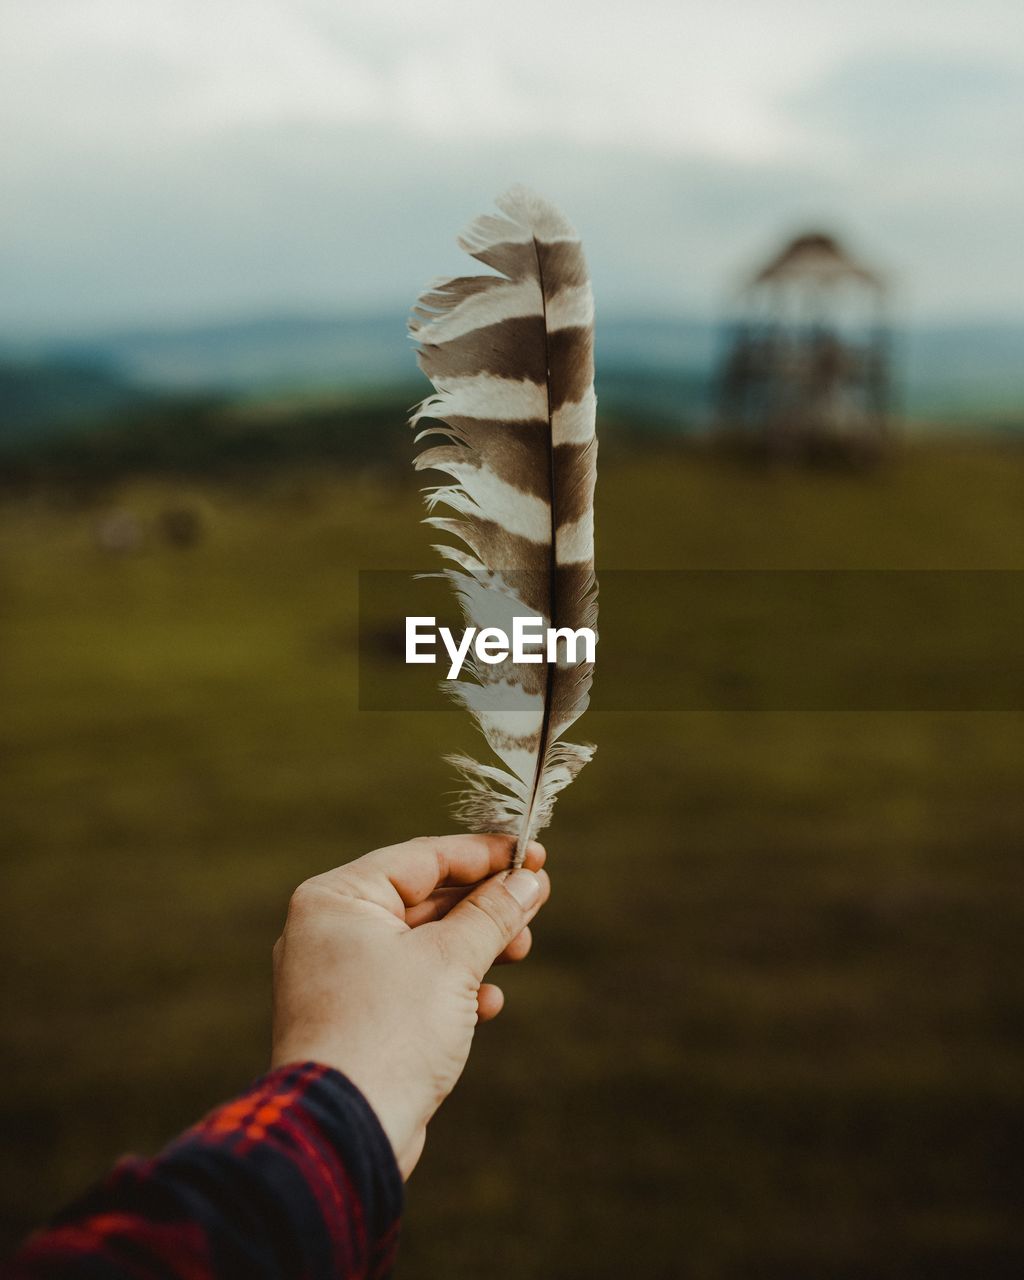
(806,369)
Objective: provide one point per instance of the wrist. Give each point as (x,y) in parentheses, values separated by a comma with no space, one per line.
(390,1103)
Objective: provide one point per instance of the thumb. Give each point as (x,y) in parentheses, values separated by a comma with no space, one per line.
(483,924)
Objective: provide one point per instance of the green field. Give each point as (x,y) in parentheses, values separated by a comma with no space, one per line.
(773,1024)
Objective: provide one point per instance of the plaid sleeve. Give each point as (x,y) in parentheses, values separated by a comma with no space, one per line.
(295,1178)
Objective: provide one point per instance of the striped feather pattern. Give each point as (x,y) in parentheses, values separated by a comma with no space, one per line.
(511,425)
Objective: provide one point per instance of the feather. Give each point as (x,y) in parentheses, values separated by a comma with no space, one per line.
(511,424)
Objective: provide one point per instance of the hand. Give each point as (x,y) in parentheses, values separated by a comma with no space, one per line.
(379,971)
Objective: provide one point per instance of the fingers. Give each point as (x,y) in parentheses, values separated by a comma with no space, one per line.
(404,875)
(479,928)
(490,1001)
(441,902)
(517,949)
(446,895)
(436,907)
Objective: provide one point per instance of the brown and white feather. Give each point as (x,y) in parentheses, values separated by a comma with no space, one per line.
(511,423)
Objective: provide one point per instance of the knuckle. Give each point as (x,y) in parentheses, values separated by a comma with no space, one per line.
(498,910)
(304,901)
(481,917)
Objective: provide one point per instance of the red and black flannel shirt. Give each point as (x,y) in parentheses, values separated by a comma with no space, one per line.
(295,1178)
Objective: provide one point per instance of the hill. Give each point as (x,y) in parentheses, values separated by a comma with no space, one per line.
(660,369)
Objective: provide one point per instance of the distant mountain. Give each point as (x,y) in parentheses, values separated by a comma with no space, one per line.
(660,368)
(254,357)
(957,371)
(55,395)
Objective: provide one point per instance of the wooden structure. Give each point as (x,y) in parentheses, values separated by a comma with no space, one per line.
(806,371)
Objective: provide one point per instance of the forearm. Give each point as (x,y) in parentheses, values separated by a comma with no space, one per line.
(293,1178)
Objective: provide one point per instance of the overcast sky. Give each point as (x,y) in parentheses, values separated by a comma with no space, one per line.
(197,159)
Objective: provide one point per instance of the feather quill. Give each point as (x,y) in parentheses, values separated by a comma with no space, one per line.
(511,424)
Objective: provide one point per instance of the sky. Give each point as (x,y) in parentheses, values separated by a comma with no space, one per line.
(172,161)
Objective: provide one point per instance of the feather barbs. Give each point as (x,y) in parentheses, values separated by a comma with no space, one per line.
(511,423)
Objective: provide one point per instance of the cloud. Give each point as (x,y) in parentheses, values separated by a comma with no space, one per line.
(172,157)
(903,107)
(350,217)
(920,140)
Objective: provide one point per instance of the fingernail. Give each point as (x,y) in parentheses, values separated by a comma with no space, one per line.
(524,886)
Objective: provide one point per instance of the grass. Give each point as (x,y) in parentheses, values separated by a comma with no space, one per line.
(772,1025)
